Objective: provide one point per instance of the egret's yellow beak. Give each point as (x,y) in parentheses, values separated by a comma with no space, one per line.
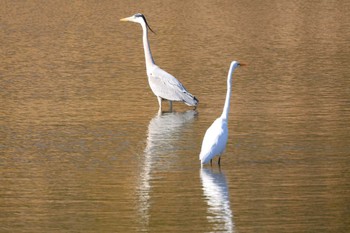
(125,19)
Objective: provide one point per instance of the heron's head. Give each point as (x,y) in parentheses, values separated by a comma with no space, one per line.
(138,18)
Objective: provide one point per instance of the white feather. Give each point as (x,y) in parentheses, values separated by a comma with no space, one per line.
(215,138)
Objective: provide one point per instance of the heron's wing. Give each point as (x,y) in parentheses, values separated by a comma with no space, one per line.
(165,85)
(214,141)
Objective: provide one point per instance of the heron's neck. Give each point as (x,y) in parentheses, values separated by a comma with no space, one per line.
(147,49)
(226,110)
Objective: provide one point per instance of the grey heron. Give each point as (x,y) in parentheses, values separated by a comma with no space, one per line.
(215,138)
(164,85)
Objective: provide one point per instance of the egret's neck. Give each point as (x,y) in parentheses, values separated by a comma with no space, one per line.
(147,49)
(226,110)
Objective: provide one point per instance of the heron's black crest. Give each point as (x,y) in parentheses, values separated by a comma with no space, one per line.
(144,18)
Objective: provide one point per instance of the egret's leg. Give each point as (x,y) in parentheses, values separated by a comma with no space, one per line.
(170,106)
(219,160)
(159,102)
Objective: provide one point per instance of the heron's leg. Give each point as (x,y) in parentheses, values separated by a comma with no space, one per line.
(170,106)
(219,161)
(211,162)
(159,102)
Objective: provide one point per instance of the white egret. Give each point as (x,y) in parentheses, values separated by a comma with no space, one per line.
(215,138)
(164,85)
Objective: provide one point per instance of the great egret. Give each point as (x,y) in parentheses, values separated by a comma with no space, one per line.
(215,138)
(164,85)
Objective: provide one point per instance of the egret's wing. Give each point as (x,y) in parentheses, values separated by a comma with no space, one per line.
(214,141)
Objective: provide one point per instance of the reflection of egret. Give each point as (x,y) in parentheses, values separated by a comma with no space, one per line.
(217,196)
(164,85)
(165,130)
(215,138)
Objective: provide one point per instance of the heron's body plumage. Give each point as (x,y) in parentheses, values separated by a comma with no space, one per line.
(164,85)
(168,87)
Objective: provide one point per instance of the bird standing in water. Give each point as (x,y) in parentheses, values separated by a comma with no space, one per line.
(164,85)
(215,138)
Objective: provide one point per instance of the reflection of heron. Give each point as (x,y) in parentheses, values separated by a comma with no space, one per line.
(215,138)
(164,85)
(217,196)
(165,130)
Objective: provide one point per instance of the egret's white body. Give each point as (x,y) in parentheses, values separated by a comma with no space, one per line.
(215,138)
(164,85)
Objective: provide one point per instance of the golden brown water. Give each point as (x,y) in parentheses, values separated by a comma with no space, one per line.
(83,149)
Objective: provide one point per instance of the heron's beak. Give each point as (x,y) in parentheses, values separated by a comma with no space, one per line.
(126,19)
(243,64)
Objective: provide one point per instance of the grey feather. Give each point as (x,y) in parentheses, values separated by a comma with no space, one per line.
(168,87)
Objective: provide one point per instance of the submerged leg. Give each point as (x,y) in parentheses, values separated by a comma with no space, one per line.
(159,102)
(170,106)
(160,112)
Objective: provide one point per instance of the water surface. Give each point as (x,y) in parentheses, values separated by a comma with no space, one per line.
(84,149)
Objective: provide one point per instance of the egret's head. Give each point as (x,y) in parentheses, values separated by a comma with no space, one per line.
(138,18)
(235,64)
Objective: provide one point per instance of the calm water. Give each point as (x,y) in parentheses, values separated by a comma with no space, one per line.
(83,149)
